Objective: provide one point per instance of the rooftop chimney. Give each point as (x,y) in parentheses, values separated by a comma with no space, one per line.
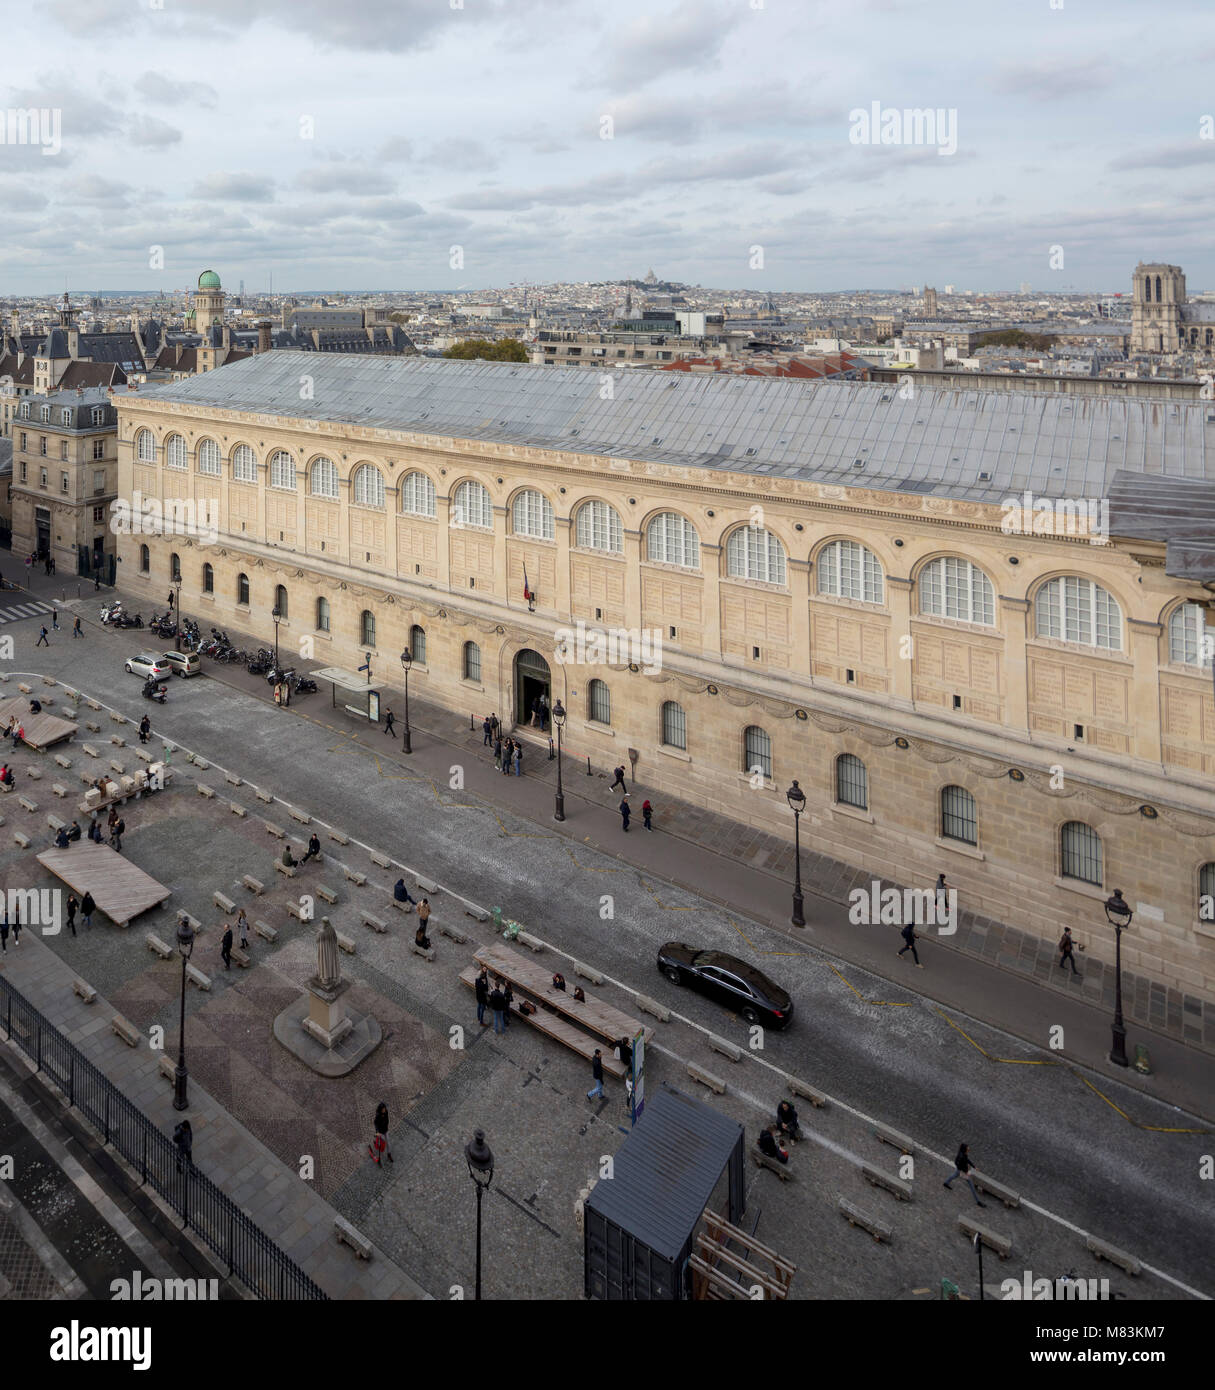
(263,335)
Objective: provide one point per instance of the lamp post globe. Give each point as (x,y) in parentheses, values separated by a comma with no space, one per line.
(185,947)
(1118,912)
(797,804)
(406,738)
(480,1159)
(559,724)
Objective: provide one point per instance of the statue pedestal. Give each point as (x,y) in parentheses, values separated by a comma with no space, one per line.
(327,1020)
(325,1031)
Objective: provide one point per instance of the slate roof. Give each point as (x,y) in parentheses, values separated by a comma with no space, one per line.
(1180,513)
(949,441)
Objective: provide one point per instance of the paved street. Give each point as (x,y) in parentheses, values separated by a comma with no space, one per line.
(1110,1155)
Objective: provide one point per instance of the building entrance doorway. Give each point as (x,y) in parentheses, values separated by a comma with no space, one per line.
(532,680)
(42,521)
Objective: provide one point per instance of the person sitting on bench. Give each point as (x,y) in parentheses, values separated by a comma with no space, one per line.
(786,1119)
(624,1050)
(74,830)
(314,848)
(420,938)
(288,858)
(559,982)
(401,893)
(35,706)
(61,838)
(769,1146)
(6,776)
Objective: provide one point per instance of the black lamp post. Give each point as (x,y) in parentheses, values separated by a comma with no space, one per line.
(406,663)
(185,944)
(278,617)
(480,1160)
(1118,910)
(177,613)
(797,802)
(559,724)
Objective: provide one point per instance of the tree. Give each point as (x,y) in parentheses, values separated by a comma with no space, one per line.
(482,350)
(397,316)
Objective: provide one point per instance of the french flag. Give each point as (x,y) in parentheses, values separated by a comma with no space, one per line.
(527,593)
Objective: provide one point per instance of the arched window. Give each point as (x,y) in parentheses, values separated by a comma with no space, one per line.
(674,726)
(533,516)
(175,567)
(757,752)
(1147,289)
(851,781)
(175,452)
(847,569)
(1081,853)
(1158,298)
(244,464)
(672,540)
(472,662)
(1077,610)
(599,702)
(959,820)
(282,470)
(598,527)
(1206,893)
(472,506)
(208,584)
(322,615)
(367,628)
(145,559)
(1190,640)
(209,457)
(954,588)
(417,495)
(753,553)
(368,486)
(242,589)
(324,478)
(417,644)
(145,446)
(280,600)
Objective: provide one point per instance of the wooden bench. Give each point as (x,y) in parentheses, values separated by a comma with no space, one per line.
(995,1189)
(1111,1253)
(265,930)
(287,870)
(254,885)
(856,1217)
(773,1165)
(197,978)
(346,943)
(241,957)
(893,1138)
(84,990)
(876,1178)
(375,923)
(347,1235)
(329,894)
(353,876)
(799,1088)
(706,1078)
(126,1030)
(162,948)
(1002,1245)
(427,951)
(223,902)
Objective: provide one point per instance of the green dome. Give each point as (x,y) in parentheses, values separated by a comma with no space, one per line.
(208,280)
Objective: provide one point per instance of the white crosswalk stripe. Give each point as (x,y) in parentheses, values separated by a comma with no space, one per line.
(16,612)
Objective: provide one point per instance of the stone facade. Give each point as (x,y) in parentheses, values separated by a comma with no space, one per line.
(1040,731)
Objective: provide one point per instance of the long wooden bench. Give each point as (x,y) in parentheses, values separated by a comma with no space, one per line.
(856,1217)
(1002,1245)
(558,1029)
(773,1165)
(875,1177)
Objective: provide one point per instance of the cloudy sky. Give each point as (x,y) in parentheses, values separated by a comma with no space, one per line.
(353,145)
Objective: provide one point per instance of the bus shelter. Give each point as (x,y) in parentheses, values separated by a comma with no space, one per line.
(360,694)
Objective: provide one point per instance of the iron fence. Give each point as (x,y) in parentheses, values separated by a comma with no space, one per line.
(243,1246)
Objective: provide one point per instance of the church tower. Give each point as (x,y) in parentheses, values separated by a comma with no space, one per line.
(208,303)
(1159,296)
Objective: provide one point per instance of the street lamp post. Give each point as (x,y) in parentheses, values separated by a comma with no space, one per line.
(177,613)
(406,742)
(480,1160)
(278,617)
(185,945)
(797,802)
(1118,910)
(559,724)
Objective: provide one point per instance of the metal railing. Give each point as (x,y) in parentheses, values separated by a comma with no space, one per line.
(244,1247)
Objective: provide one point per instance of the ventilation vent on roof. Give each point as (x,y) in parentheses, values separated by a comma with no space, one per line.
(657,439)
(885,398)
(984,477)
(1211,419)
(1115,436)
(858,463)
(750,453)
(575,431)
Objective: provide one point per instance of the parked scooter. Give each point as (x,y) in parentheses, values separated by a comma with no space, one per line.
(152,691)
(111,612)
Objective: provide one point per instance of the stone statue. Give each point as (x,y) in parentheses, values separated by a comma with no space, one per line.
(328,967)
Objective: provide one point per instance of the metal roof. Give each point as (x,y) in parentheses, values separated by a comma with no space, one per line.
(666,1170)
(951,441)
(1180,513)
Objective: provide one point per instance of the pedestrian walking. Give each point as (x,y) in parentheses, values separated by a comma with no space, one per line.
(597,1075)
(961,1169)
(497,723)
(16,926)
(647,815)
(482,991)
(87,908)
(497,1002)
(170,600)
(72,905)
(52,564)
(4,933)
(1066,946)
(625,812)
(508,994)
(54,618)
(42,642)
(145,729)
(518,760)
(423,918)
(77,631)
(117,833)
(379,1139)
(535,712)
(618,775)
(183,1140)
(910,937)
(497,755)
(487,730)
(18,734)
(242,928)
(389,721)
(225,948)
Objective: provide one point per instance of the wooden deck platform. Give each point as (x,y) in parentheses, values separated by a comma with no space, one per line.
(120,889)
(41,730)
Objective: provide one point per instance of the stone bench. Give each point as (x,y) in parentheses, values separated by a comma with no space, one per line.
(22,840)
(1002,1245)
(275,831)
(126,1030)
(1111,1253)
(339,837)
(142,754)
(62,761)
(406,907)
(90,750)
(92,726)
(254,885)
(84,990)
(427,951)
(27,803)
(329,894)
(346,943)
(586,973)
(118,718)
(454,934)
(223,902)
(237,809)
(49,680)
(347,1235)
(204,790)
(302,816)
(196,977)
(241,957)
(893,1138)
(195,925)
(376,924)
(118,741)
(381,859)
(162,948)
(353,876)
(232,778)
(773,1165)
(706,1078)
(25,689)
(995,1189)
(856,1217)
(59,789)
(265,930)
(198,762)
(263,796)
(33,774)
(116,766)
(478,914)
(295,909)
(167,1067)
(287,870)
(532,943)
(727,1049)
(876,1178)
(55,823)
(800,1088)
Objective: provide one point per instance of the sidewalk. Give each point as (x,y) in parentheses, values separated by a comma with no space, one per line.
(752,871)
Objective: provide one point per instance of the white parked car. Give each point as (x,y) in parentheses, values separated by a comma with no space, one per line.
(150,667)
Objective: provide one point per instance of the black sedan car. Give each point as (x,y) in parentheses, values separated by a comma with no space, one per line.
(730,981)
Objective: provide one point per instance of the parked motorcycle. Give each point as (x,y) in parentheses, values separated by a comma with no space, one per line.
(110,612)
(152,691)
(304,686)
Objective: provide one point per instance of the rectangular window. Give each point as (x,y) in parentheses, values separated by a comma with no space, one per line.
(23,471)
(42,445)
(99,448)
(674,726)
(958,817)
(63,482)
(23,440)
(98,480)
(63,448)
(98,515)
(42,477)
